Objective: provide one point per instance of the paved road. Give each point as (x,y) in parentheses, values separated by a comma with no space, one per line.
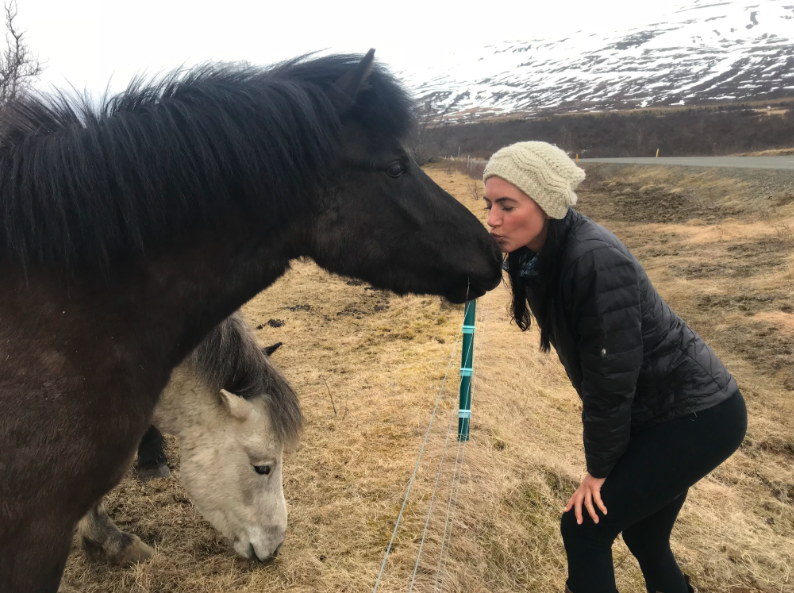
(744,162)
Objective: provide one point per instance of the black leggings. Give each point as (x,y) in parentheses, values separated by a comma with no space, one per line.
(644,494)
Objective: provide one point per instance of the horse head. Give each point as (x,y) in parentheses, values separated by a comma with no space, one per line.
(383,219)
(232,444)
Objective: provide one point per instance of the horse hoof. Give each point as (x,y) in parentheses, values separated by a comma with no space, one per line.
(123,549)
(134,553)
(150,473)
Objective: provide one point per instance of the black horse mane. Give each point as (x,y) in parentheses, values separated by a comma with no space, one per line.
(230,358)
(83,183)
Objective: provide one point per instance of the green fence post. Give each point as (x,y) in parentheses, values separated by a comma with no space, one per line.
(466,370)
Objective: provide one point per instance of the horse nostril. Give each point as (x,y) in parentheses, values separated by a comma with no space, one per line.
(276,551)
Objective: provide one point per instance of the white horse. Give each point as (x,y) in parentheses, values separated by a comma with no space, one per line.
(233,414)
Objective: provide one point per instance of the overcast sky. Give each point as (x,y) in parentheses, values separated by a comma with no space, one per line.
(88,42)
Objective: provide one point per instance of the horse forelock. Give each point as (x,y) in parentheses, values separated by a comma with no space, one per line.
(230,358)
(85,181)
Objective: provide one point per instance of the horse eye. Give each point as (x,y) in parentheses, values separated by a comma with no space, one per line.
(395,170)
(262,470)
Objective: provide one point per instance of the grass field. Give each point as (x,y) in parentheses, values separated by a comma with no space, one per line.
(368,366)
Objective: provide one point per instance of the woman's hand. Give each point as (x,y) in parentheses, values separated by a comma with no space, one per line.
(588,491)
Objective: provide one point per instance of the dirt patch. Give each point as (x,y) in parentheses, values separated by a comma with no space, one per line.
(299,308)
(747,303)
(756,248)
(736,259)
(767,348)
(644,204)
(779,446)
(733,270)
(670,195)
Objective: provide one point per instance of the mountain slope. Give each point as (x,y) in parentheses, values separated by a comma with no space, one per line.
(710,50)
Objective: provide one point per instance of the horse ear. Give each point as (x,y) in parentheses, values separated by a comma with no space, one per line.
(269,350)
(237,406)
(346,88)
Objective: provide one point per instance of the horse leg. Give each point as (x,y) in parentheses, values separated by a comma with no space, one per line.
(58,457)
(35,554)
(101,539)
(152,460)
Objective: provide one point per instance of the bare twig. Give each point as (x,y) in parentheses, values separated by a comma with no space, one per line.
(428,115)
(19,67)
(474,189)
(331,396)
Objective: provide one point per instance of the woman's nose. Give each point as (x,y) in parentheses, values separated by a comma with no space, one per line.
(493,219)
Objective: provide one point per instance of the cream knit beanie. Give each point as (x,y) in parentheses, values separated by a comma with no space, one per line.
(540,170)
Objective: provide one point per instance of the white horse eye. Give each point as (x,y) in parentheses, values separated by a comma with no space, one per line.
(262,470)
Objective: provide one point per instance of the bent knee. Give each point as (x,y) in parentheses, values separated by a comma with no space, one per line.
(569,528)
(588,532)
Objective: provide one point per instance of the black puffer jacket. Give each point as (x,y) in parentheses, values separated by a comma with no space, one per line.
(633,361)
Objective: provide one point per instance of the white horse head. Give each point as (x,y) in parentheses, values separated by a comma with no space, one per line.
(232,441)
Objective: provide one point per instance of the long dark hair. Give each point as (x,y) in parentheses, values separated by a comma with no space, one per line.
(541,288)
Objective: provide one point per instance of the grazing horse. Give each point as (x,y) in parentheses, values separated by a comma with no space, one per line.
(129,229)
(152,461)
(231,445)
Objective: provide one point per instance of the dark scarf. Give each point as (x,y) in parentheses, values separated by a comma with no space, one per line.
(528,263)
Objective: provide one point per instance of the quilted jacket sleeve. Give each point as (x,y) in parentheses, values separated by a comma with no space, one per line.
(607,321)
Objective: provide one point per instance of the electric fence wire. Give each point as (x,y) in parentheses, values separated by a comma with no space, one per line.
(475,346)
(456,486)
(457,477)
(472,346)
(416,468)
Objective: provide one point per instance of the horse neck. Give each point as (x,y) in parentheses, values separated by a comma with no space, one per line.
(187,405)
(141,318)
(210,275)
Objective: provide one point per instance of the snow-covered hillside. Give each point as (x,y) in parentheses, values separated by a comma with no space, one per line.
(708,50)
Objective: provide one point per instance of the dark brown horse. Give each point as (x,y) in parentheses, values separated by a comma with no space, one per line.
(130,229)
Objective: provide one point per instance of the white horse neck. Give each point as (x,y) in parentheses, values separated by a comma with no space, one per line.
(185,404)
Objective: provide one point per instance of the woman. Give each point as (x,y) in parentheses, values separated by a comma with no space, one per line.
(660,411)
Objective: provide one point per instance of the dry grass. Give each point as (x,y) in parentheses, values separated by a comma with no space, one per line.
(383,358)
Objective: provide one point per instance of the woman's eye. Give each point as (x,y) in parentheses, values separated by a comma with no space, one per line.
(507,208)
(262,470)
(395,170)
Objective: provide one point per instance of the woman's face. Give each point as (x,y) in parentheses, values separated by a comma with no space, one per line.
(515,219)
